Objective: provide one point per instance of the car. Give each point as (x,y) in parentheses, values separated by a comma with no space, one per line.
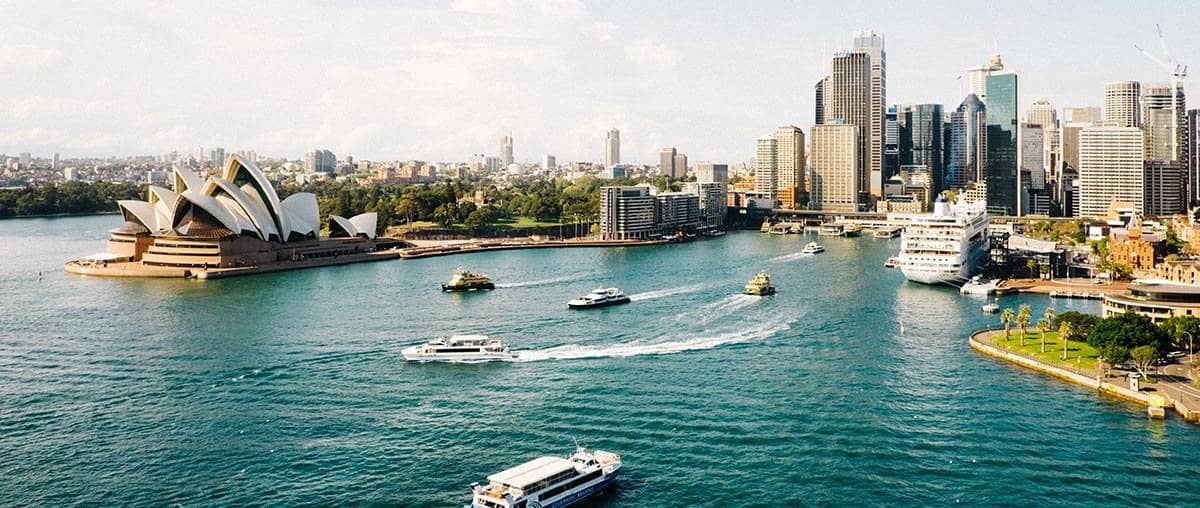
(1176,354)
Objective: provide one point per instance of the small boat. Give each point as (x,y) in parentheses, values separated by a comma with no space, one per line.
(887,232)
(460,348)
(830,229)
(990,307)
(549,481)
(599,297)
(852,230)
(813,248)
(760,285)
(892,262)
(463,280)
(977,286)
(766,226)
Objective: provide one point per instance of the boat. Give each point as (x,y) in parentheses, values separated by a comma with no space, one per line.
(852,230)
(892,262)
(599,297)
(463,280)
(549,481)
(813,248)
(760,285)
(460,348)
(887,232)
(830,229)
(766,226)
(976,286)
(948,245)
(990,307)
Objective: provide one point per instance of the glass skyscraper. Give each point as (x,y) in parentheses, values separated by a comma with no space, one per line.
(964,155)
(921,141)
(1001,162)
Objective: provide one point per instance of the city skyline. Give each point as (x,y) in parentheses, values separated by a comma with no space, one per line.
(144,80)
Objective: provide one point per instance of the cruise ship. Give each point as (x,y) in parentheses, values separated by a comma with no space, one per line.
(549,482)
(946,246)
(460,348)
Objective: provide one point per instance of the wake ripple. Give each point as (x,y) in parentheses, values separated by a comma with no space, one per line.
(789,257)
(542,282)
(650,295)
(637,347)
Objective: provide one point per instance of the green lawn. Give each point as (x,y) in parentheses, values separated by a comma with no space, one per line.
(1078,351)
(526,222)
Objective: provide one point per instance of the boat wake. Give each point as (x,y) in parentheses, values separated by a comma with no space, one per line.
(638,347)
(650,295)
(789,257)
(733,302)
(542,282)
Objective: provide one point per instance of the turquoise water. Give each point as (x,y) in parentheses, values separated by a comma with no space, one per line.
(289,389)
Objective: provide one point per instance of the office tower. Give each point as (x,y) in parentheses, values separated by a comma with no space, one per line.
(707,172)
(1110,169)
(549,163)
(766,166)
(506,150)
(320,161)
(1090,114)
(1042,113)
(1002,157)
(1032,156)
(26,160)
(217,156)
(680,166)
(891,142)
(872,43)
(1164,188)
(1165,122)
(612,148)
(849,100)
(1193,156)
(921,141)
(821,101)
(666,161)
(968,125)
(1122,106)
(54,162)
(789,167)
(626,213)
(977,76)
(835,183)
(712,201)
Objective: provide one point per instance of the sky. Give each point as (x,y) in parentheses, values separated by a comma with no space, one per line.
(441,80)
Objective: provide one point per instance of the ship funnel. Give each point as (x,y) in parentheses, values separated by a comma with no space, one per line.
(941,207)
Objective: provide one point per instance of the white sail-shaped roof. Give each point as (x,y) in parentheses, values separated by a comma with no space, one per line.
(340,227)
(359,225)
(302,213)
(164,206)
(186,180)
(250,207)
(141,212)
(209,205)
(365,223)
(242,172)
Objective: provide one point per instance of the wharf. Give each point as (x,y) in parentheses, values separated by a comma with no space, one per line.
(140,270)
(465,247)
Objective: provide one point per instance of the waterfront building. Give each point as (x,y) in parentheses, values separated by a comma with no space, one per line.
(872,44)
(1110,168)
(1122,104)
(789,165)
(849,99)
(1157,300)
(766,166)
(677,210)
(626,213)
(977,76)
(835,184)
(506,151)
(921,141)
(1002,155)
(967,144)
(612,148)
(711,200)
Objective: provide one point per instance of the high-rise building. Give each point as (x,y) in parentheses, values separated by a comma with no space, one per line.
(506,150)
(1110,169)
(1090,114)
(54,163)
(666,161)
(1164,119)
(217,156)
(968,125)
(1122,104)
(1164,188)
(679,166)
(1042,113)
(835,168)
(789,168)
(1193,156)
(675,210)
(626,213)
(712,201)
(977,76)
(821,100)
(320,161)
(921,141)
(707,172)
(26,160)
(849,100)
(1032,156)
(891,142)
(766,166)
(872,43)
(612,148)
(549,163)
(1002,157)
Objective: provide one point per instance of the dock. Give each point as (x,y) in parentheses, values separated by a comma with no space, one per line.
(467,247)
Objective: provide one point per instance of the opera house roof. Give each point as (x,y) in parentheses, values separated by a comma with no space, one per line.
(241,201)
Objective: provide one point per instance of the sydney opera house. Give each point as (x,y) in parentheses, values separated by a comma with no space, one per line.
(231,224)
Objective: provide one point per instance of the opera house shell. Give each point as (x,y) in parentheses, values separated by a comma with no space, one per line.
(227,222)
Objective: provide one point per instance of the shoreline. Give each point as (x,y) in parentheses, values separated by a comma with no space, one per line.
(467,247)
(61,215)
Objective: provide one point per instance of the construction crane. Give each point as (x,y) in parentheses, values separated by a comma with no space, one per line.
(1178,74)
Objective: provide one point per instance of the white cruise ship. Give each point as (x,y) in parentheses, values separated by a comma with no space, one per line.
(549,482)
(948,245)
(460,348)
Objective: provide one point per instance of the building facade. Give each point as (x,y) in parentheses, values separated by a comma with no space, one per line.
(849,99)
(872,44)
(627,213)
(1002,157)
(711,200)
(612,148)
(1122,104)
(1110,168)
(921,141)
(835,184)
(790,163)
(967,139)
(766,166)
(676,210)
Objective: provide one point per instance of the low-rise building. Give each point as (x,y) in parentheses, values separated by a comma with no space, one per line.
(1157,300)
(711,200)
(1136,249)
(677,210)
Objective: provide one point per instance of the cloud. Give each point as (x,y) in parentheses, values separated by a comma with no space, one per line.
(602,30)
(549,8)
(28,56)
(647,52)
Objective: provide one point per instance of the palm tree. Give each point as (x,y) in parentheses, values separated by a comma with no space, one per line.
(1049,315)
(1043,326)
(1023,315)
(1006,317)
(1066,332)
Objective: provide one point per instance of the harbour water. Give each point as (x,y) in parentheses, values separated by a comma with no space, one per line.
(289,388)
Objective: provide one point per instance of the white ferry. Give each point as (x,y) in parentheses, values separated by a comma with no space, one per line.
(460,348)
(549,482)
(813,248)
(599,297)
(948,245)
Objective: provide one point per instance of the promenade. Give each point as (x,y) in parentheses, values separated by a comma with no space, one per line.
(431,248)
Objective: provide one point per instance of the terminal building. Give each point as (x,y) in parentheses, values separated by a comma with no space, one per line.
(1155,299)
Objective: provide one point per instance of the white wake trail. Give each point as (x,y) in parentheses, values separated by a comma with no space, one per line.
(541,282)
(650,295)
(638,347)
(789,257)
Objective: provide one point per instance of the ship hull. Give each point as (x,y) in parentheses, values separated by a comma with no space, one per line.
(468,287)
(607,303)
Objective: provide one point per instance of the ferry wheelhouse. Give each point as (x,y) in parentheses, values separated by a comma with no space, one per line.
(549,482)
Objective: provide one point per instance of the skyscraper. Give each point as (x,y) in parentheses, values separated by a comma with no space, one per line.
(1122,104)
(921,141)
(835,171)
(1110,169)
(977,76)
(1002,158)
(1032,158)
(1090,114)
(1042,113)
(707,172)
(54,162)
(872,43)
(1164,124)
(1193,156)
(506,150)
(320,161)
(891,142)
(612,148)
(766,166)
(849,101)
(821,99)
(967,127)
(679,166)
(549,162)
(789,176)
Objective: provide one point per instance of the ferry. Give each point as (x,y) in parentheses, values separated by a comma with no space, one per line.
(460,348)
(549,482)
(463,280)
(977,286)
(948,245)
(887,232)
(599,297)
(852,230)
(892,262)
(760,285)
(990,308)
(813,248)
(830,229)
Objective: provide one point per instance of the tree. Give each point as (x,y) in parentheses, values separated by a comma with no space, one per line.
(1006,317)
(1067,332)
(1049,315)
(1023,316)
(1031,265)
(1083,322)
(1181,330)
(1128,330)
(1043,326)
(1143,357)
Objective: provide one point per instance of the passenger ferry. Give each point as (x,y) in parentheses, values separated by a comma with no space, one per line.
(760,285)
(463,280)
(460,348)
(549,482)
(948,245)
(813,248)
(887,232)
(599,297)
